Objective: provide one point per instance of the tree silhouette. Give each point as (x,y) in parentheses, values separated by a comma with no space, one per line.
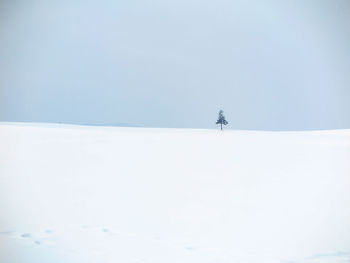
(221,120)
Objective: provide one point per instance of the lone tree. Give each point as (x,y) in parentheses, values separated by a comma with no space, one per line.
(221,120)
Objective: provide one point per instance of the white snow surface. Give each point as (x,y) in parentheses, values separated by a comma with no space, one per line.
(75,194)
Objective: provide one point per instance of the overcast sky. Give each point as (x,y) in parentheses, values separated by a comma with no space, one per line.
(270,65)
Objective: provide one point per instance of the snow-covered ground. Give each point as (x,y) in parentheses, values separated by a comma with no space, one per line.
(75,194)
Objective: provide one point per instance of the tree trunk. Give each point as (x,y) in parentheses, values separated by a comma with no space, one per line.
(221,125)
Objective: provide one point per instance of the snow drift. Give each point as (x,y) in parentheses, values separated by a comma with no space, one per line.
(102,194)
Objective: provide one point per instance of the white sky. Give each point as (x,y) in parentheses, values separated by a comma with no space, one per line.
(272,65)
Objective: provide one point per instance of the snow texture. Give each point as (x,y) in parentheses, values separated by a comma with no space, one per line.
(74,194)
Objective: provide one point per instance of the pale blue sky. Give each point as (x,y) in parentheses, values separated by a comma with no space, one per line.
(271,65)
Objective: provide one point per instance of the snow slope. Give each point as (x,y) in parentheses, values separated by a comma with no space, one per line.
(102,194)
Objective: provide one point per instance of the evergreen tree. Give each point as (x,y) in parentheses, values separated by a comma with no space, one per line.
(221,120)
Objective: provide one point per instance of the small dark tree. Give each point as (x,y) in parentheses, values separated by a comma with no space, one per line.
(221,120)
